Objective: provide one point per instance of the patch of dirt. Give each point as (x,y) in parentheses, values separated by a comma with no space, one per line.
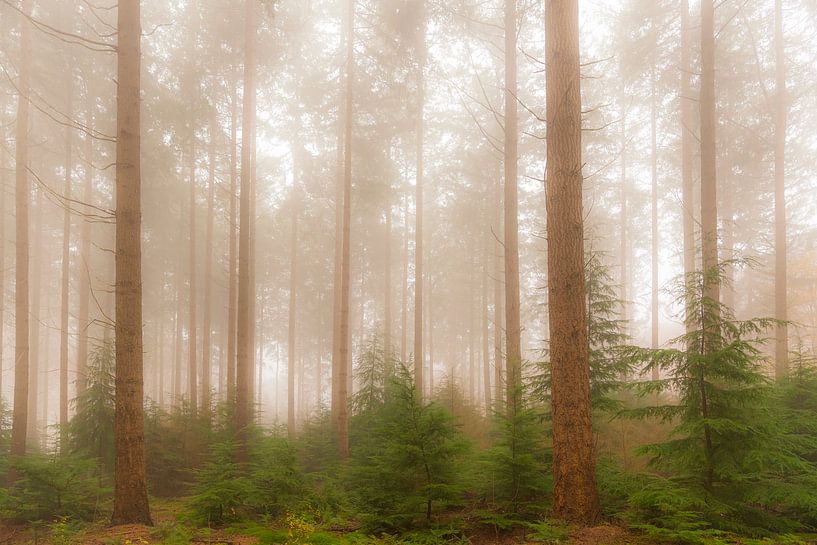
(605,534)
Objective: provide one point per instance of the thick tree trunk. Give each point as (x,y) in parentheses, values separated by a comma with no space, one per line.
(244,348)
(192,270)
(130,489)
(19,426)
(418,201)
(575,496)
(513,327)
(709,211)
(781,347)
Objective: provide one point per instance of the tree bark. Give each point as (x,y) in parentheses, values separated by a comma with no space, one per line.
(687,183)
(130,489)
(486,343)
(575,495)
(345,283)
(709,210)
(499,311)
(418,201)
(19,429)
(404,290)
(654,216)
(83,314)
(781,347)
(66,271)
(293,308)
(192,344)
(513,327)
(232,276)
(387,318)
(207,325)
(34,321)
(244,348)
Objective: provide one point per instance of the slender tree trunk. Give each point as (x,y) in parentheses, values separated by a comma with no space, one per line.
(486,343)
(575,496)
(624,224)
(244,348)
(345,284)
(293,309)
(192,343)
(387,319)
(83,314)
(499,311)
(709,210)
(686,144)
(3,216)
(65,272)
(513,327)
(781,347)
(34,323)
(418,200)
(654,215)
(207,325)
(19,435)
(253,318)
(177,356)
(130,489)
(472,298)
(161,361)
(404,290)
(232,276)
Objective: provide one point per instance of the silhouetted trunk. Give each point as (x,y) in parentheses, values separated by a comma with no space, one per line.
(486,343)
(192,345)
(513,328)
(709,211)
(345,283)
(34,322)
(624,222)
(418,201)
(66,270)
(244,348)
(130,490)
(179,336)
(387,319)
(781,347)
(21,347)
(404,290)
(575,495)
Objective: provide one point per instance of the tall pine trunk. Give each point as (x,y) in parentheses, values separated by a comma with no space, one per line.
(84,295)
(709,211)
(513,326)
(654,216)
(19,426)
(244,348)
(232,275)
(293,308)
(192,344)
(687,184)
(207,324)
(130,489)
(781,347)
(418,202)
(575,495)
(65,270)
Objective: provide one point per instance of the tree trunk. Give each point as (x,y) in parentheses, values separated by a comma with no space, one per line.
(232,276)
(83,314)
(418,201)
(513,328)
(781,346)
(654,216)
(687,183)
(192,344)
(575,496)
(244,348)
(345,283)
(293,309)
(404,290)
(207,325)
(486,343)
(66,271)
(21,290)
(130,490)
(34,322)
(624,224)
(178,339)
(709,210)
(387,319)
(499,311)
